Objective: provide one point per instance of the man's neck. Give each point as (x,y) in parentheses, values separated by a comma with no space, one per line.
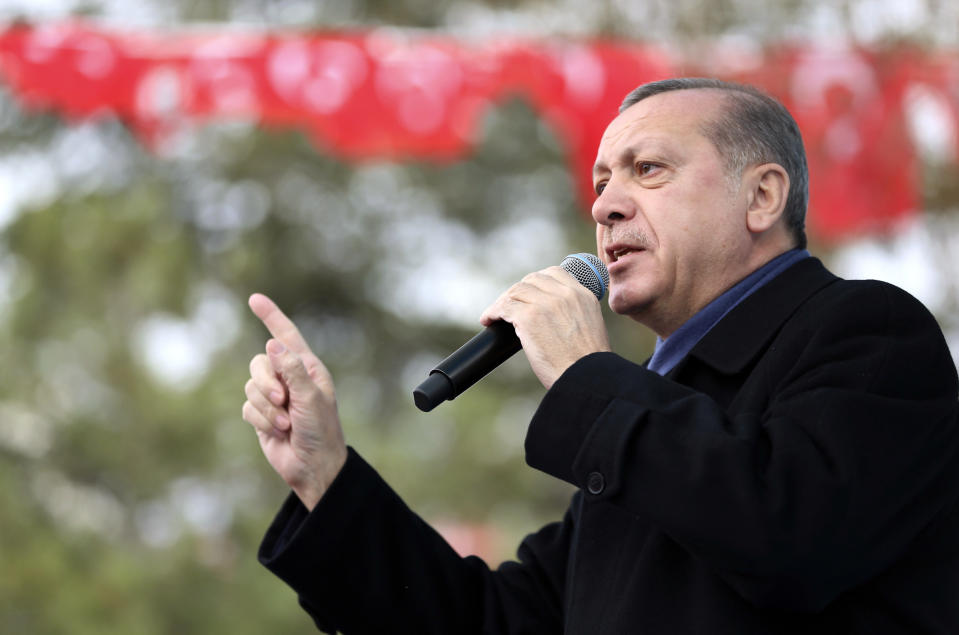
(670,350)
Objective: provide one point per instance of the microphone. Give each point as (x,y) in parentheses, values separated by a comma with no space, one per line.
(496,343)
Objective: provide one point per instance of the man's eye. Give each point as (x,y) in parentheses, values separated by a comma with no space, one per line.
(600,187)
(645,168)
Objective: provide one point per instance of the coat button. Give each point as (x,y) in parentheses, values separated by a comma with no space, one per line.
(595,483)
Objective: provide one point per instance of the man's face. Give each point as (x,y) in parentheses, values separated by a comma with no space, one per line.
(670,224)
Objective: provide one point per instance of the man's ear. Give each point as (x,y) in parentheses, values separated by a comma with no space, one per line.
(768,189)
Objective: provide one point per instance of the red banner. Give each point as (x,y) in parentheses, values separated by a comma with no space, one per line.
(398,95)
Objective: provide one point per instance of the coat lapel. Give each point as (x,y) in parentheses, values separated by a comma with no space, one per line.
(746,331)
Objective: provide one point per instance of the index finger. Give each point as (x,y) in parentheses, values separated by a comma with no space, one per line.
(561,275)
(278,324)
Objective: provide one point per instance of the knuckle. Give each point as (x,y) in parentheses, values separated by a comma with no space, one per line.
(534,277)
(290,364)
(571,292)
(519,290)
(314,372)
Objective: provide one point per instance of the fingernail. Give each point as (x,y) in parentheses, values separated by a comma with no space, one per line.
(276,397)
(276,347)
(282,422)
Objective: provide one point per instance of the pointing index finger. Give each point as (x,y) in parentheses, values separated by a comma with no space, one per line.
(277,323)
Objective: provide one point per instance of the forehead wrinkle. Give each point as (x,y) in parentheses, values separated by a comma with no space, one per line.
(627,123)
(611,138)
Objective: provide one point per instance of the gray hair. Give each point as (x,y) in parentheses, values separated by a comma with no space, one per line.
(752,129)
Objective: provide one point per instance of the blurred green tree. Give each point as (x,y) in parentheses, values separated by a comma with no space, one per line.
(134,494)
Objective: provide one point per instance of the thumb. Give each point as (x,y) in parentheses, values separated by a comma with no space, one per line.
(290,367)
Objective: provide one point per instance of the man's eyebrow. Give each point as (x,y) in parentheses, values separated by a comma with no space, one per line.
(627,154)
(652,148)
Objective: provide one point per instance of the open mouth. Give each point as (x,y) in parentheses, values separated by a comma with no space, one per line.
(619,252)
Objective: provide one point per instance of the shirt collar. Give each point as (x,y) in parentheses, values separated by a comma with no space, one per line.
(670,351)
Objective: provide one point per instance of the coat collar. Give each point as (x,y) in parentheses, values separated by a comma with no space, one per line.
(744,332)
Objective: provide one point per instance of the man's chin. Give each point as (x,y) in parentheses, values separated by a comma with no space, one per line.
(628,305)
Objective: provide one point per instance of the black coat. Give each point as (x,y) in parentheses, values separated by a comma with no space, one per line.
(797,472)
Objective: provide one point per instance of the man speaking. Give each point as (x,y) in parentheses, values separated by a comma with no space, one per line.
(786,462)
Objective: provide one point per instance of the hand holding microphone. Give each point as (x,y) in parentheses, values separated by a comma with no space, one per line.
(553,315)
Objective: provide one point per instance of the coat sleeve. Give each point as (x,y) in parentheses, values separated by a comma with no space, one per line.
(363,562)
(822,485)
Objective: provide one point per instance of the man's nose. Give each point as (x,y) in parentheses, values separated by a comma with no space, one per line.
(612,205)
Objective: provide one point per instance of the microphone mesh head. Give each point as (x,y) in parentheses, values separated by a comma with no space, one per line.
(589,271)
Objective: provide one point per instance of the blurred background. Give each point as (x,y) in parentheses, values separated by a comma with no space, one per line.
(382,169)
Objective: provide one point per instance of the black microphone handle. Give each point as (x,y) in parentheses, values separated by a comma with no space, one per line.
(467,365)
(494,345)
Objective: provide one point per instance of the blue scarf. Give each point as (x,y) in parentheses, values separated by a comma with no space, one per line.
(669,351)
